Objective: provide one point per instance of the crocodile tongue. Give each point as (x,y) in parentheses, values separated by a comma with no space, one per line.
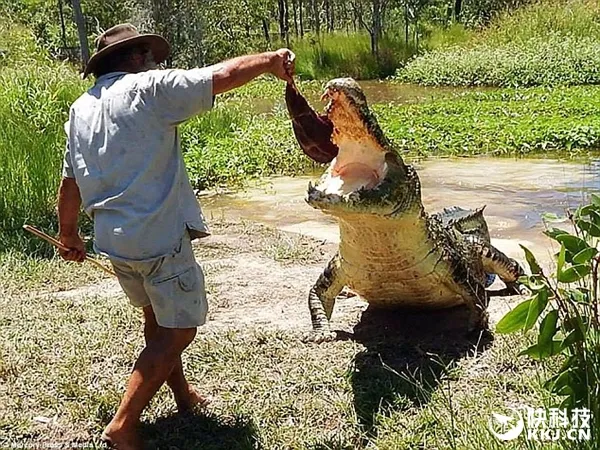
(313,131)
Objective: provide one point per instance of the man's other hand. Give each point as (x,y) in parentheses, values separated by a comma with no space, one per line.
(76,248)
(283,65)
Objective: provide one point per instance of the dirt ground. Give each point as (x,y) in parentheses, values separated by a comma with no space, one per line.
(259,277)
(250,356)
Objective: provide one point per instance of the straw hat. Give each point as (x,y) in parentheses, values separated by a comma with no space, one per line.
(122,36)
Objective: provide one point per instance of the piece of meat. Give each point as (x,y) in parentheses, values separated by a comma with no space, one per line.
(313,131)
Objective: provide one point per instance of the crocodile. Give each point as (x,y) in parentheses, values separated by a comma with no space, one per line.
(391,252)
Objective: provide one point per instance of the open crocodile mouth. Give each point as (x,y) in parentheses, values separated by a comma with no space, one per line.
(360,162)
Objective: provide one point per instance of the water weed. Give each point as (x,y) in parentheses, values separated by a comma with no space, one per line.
(498,122)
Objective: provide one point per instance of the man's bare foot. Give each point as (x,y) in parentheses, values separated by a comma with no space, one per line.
(120,439)
(193,398)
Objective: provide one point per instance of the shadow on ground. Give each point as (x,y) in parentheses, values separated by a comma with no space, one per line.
(407,354)
(195,431)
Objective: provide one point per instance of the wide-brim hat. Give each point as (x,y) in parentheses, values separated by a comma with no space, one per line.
(126,35)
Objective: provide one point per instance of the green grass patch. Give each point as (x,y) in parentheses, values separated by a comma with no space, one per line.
(335,55)
(546,43)
(36,94)
(240,146)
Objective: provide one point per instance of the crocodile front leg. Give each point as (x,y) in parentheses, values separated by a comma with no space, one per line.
(496,262)
(321,299)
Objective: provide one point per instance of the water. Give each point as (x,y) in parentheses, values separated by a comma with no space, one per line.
(516,191)
(376,92)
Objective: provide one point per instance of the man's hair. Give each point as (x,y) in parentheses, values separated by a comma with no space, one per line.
(118,59)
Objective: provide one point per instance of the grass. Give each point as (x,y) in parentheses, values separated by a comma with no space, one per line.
(333,55)
(33,110)
(546,43)
(64,366)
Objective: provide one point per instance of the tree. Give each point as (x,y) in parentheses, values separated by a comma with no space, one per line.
(81,31)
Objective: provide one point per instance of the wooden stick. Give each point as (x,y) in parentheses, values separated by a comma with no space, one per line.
(58,244)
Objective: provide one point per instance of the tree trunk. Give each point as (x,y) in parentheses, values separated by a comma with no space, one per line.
(327,13)
(317,18)
(457,9)
(83,42)
(281,11)
(376,27)
(62,24)
(286,19)
(265,26)
(406,22)
(301,14)
(294,5)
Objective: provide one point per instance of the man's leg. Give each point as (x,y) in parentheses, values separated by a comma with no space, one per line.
(154,365)
(186,396)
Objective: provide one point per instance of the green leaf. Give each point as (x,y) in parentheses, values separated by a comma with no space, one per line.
(585,210)
(591,228)
(533,264)
(573,337)
(595,198)
(548,328)
(595,217)
(572,243)
(560,261)
(552,218)
(515,319)
(574,273)
(554,232)
(539,352)
(579,295)
(560,384)
(536,307)
(585,255)
(534,282)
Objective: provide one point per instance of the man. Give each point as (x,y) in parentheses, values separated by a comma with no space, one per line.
(123,163)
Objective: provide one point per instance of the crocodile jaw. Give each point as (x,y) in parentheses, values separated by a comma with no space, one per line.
(360,164)
(357,166)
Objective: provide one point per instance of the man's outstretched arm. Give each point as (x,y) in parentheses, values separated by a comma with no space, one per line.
(69,203)
(238,71)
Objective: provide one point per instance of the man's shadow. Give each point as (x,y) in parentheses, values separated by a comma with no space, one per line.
(407,354)
(200,431)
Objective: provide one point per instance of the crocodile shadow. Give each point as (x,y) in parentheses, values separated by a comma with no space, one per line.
(407,354)
(200,431)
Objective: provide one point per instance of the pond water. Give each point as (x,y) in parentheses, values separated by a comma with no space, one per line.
(516,191)
(376,92)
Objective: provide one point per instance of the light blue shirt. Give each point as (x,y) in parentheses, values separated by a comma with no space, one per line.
(123,149)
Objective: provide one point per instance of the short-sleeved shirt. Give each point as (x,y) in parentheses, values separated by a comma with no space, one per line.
(123,149)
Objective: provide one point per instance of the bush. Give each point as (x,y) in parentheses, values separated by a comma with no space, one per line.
(539,61)
(547,43)
(568,302)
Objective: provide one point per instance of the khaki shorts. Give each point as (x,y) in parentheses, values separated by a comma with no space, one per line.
(172,284)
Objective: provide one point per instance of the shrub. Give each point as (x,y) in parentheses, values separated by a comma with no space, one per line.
(568,303)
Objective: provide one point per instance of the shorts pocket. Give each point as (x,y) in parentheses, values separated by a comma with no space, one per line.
(186,279)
